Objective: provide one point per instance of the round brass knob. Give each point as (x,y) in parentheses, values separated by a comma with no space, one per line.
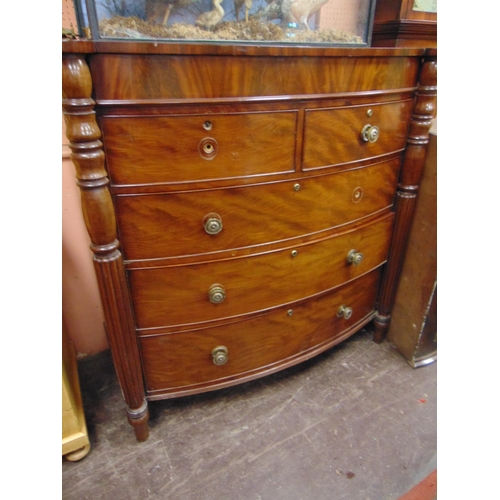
(344,311)
(216,294)
(355,257)
(220,355)
(208,148)
(212,223)
(370,133)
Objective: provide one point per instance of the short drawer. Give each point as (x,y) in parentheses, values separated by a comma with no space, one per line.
(156,226)
(195,293)
(333,136)
(169,149)
(184,361)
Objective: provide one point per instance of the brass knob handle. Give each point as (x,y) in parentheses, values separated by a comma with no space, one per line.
(216,294)
(344,311)
(208,148)
(355,257)
(370,133)
(212,223)
(220,355)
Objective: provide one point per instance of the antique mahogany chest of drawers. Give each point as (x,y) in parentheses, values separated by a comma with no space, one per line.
(248,206)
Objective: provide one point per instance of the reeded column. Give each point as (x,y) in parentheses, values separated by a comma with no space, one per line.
(88,157)
(406,198)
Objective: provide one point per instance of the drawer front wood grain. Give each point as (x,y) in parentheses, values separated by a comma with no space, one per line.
(148,150)
(117,77)
(156,226)
(333,136)
(177,295)
(184,360)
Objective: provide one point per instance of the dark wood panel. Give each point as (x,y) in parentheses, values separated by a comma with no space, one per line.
(396,24)
(181,362)
(178,295)
(333,136)
(156,226)
(143,150)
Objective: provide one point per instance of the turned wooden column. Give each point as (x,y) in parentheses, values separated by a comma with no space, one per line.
(411,171)
(88,157)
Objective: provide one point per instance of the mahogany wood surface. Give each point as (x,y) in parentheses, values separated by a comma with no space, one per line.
(178,294)
(388,10)
(180,148)
(269,139)
(155,226)
(411,172)
(211,77)
(88,158)
(405,33)
(396,24)
(181,362)
(346,124)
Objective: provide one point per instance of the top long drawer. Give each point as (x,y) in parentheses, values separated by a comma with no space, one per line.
(165,149)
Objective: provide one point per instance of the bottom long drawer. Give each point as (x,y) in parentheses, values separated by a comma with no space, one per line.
(184,363)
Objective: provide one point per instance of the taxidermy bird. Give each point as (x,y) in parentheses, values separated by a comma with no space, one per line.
(238,4)
(158,11)
(301,10)
(208,20)
(276,9)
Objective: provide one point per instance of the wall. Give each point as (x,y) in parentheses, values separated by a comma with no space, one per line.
(82,312)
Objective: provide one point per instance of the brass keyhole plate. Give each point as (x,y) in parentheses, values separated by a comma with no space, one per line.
(357,194)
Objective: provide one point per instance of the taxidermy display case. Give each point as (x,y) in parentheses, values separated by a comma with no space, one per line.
(323,22)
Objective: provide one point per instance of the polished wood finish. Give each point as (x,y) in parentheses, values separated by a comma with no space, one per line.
(88,158)
(346,124)
(180,363)
(413,329)
(418,138)
(285,172)
(281,278)
(396,24)
(210,78)
(140,149)
(159,225)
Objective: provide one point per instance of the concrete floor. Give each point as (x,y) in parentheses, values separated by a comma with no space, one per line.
(355,423)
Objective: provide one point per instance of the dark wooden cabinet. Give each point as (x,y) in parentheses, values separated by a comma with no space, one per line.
(405,23)
(248,206)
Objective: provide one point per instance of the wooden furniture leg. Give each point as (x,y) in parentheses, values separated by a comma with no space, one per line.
(88,157)
(406,197)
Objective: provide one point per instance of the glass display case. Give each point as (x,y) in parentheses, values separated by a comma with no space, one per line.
(302,22)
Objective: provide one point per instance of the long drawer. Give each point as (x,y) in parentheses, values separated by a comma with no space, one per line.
(184,361)
(156,226)
(334,135)
(166,149)
(195,293)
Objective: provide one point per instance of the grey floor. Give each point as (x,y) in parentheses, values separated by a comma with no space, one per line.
(355,423)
